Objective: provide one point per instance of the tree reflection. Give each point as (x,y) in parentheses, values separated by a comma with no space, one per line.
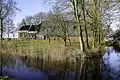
(68,69)
(61,69)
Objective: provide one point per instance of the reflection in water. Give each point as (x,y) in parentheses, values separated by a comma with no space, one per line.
(27,68)
(111,68)
(20,71)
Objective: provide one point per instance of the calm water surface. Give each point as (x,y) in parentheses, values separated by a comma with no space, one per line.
(111,67)
(105,68)
(14,67)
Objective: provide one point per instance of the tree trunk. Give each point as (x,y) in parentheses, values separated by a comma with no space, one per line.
(65,41)
(1,18)
(13,35)
(1,23)
(69,40)
(99,35)
(82,38)
(44,37)
(35,36)
(8,35)
(49,39)
(86,33)
(84,18)
(93,41)
(80,35)
(1,70)
(79,27)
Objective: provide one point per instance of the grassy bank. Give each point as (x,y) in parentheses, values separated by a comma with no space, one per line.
(34,48)
(52,57)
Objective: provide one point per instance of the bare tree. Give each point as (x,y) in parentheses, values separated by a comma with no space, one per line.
(9,26)
(33,20)
(29,20)
(39,17)
(8,8)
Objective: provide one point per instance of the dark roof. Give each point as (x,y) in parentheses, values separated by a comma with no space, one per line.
(26,27)
(31,28)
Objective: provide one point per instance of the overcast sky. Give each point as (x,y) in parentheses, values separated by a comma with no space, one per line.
(29,7)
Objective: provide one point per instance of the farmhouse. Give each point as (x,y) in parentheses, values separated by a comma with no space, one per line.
(29,31)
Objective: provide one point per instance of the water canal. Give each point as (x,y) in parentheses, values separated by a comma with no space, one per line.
(27,68)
